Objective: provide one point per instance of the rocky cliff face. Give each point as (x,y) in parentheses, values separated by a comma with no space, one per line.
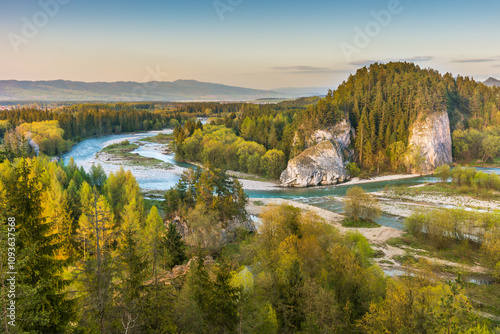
(431,136)
(340,134)
(323,161)
(318,165)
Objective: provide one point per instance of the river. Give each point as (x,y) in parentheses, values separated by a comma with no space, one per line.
(84,154)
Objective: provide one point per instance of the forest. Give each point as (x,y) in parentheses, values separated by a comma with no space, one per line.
(99,258)
(93,255)
(381,102)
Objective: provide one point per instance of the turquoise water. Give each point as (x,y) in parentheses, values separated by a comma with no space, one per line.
(85,151)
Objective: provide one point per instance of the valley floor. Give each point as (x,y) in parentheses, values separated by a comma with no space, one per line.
(389,255)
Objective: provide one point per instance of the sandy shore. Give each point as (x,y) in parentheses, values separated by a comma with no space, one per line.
(259,185)
(374,235)
(430,200)
(266,186)
(357,180)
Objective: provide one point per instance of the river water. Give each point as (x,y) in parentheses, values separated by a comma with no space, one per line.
(84,154)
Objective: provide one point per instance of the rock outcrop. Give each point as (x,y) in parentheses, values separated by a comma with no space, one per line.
(339,134)
(322,164)
(431,137)
(323,161)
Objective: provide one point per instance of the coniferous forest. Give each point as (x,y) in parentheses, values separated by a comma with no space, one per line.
(93,254)
(96,257)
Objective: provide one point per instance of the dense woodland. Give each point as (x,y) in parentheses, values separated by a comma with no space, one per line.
(257,140)
(55,130)
(384,100)
(381,102)
(95,257)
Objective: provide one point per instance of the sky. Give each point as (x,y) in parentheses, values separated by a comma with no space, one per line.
(249,43)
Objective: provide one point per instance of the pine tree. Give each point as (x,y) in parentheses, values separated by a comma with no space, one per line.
(96,268)
(290,294)
(42,304)
(175,247)
(132,266)
(217,300)
(97,176)
(57,211)
(222,311)
(362,136)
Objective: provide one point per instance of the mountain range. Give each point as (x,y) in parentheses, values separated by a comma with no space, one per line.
(492,82)
(180,90)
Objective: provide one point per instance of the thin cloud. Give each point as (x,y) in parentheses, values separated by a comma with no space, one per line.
(474,60)
(418,59)
(367,62)
(305,69)
(364,62)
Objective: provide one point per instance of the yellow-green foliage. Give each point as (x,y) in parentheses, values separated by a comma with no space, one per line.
(4,125)
(451,224)
(361,205)
(48,135)
(413,305)
(470,177)
(471,144)
(220,147)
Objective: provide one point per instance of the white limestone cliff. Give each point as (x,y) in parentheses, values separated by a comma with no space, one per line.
(432,139)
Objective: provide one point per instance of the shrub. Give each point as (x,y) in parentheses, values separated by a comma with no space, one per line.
(353,169)
(361,205)
(443,173)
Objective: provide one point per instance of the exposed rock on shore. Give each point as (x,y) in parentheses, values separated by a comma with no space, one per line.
(432,137)
(319,165)
(323,162)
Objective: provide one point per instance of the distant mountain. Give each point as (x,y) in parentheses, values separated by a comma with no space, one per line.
(180,90)
(303,91)
(492,82)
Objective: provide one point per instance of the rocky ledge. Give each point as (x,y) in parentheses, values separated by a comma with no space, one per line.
(318,165)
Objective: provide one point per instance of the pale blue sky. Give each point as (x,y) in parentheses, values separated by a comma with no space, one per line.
(259,44)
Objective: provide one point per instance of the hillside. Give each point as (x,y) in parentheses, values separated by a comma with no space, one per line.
(492,82)
(180,90)
(384,101)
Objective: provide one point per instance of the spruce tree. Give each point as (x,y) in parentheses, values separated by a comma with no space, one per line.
(175,247)
(132,266)
(42,304)
(96,268)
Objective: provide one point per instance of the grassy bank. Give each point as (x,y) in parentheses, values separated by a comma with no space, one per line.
(122,152)
(361,223)
(161,138)
(446,189)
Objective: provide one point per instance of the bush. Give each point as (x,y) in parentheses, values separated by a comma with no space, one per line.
(361,205)
(465,178)
(416,224)
(443,173)
(353,169)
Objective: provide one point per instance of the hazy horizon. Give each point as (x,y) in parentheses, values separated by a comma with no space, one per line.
(254,44)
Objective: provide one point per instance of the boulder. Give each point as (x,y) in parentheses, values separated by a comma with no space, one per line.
(322,164)
(431,136)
